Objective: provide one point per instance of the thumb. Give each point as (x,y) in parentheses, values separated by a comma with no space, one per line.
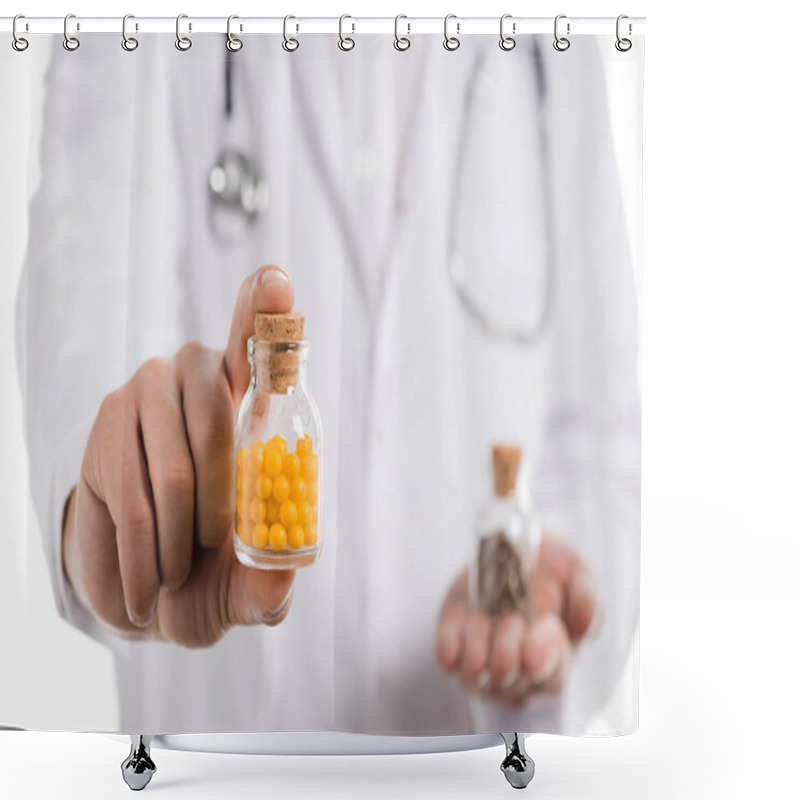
(267,289)
(258,596)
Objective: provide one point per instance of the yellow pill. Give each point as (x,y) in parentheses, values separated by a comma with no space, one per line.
(313,492)
(263,486)
(278,442)
(253,460)
(240,457)
(239,527)
(311,534)
(288,513)
(260,536)
(309,466)
(305,513)
(273,510)
(299,490)
(277,537)
(305,446)
(272,462)
(258,510)
(291,465)
(280,488)
(296,537)
(239,481)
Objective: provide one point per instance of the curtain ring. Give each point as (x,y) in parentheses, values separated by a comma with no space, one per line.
(623,45)
(451,42)
(401,42)
(128,42)
(183,43)
(346,42)
(507,42)
(70,42)
(561,43)
(233,44)
(290,44)
(19,43)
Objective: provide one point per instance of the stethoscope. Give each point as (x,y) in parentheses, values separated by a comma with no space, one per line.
(240,196)
(238,189)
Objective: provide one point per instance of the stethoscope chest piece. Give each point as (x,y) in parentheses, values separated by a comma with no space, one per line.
(239,194)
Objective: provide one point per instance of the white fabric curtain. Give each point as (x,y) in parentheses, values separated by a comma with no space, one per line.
(462,232)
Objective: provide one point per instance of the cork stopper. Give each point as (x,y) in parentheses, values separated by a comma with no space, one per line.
(281,329)
(505,465)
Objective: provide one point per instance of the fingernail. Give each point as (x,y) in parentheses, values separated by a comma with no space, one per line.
(273,276)
(482,681)
(545,672)
(141,620)
(274,613)
(509,679)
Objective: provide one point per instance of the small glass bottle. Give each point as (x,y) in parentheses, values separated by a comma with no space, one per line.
(278,445)
(508,543)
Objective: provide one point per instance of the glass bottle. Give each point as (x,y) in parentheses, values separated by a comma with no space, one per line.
(278,445)
(507,543)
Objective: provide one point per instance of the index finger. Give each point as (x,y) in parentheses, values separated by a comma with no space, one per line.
(267,289)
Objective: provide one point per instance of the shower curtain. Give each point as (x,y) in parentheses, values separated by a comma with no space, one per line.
(460,228)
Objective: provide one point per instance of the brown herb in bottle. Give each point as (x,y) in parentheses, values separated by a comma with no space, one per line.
(502,583)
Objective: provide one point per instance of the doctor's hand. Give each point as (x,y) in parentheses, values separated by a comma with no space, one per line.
(509,659)
(147,536)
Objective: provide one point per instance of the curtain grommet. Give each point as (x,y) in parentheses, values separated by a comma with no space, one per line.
(129,43)
(19,43)
(560,43)
(507,43)
(451,43)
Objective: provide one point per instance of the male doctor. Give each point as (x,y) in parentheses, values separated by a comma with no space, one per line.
(130,295)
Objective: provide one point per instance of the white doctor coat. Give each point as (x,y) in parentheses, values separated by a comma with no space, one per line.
(359,150)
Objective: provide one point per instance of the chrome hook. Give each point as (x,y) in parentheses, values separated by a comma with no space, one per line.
(290,44)
(401,42)
(233,44)
(561,43)
(346,42)
(451,42)
(129,43)
(183,43)
(19,43)
(70,43)
(622,44)
(507,42)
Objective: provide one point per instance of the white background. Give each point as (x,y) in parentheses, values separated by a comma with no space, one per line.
(719,699)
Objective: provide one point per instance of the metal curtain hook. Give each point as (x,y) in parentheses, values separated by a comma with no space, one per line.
(346,42)
(182,42)
(233,44)
(128,42)
(623,45)
(70,42)
(507,42)
(451,42)
(561,43)
(18,42)
(401,42)
(290,44)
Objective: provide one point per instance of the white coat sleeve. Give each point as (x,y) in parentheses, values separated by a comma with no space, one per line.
(72,297)
(588,482)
